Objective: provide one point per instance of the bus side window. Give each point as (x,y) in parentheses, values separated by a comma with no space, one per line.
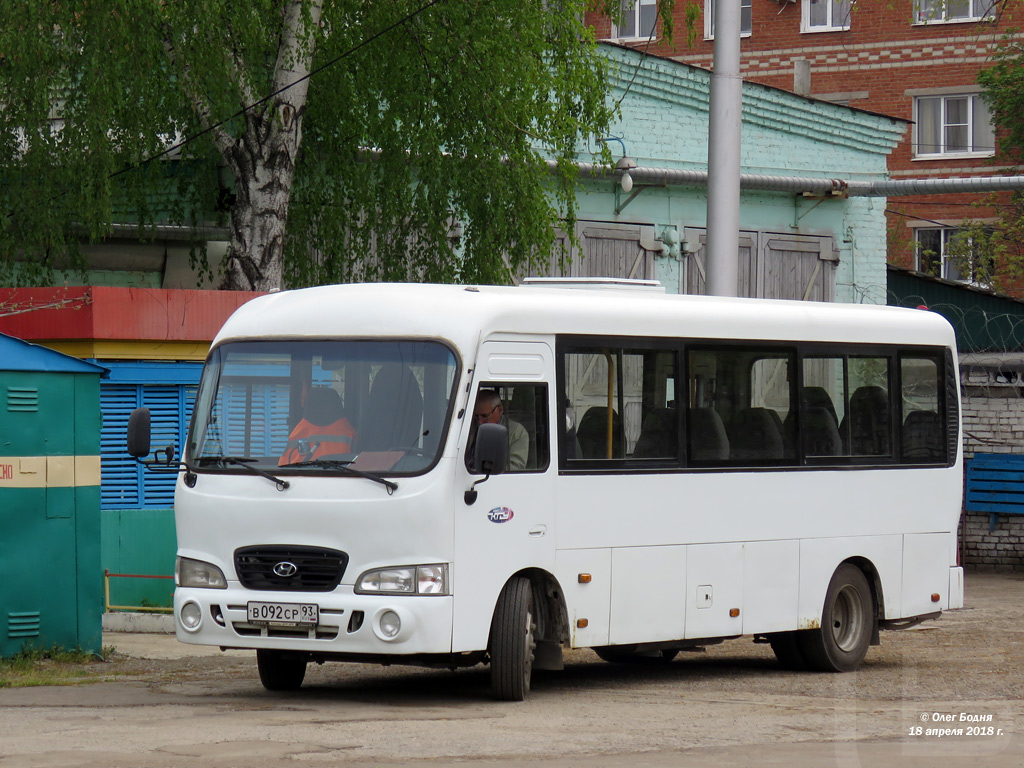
(868,421)
(621,404)
(522,409)
(746,391)
(923,438)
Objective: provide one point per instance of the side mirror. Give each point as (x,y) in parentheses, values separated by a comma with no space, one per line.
(138,433)
(491,454)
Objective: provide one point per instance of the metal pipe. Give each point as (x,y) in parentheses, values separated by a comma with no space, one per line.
(679,177)
(724,124)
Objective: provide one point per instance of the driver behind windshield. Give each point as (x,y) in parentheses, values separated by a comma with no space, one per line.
(322,431)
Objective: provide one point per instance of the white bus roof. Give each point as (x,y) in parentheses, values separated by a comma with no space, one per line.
(466,314)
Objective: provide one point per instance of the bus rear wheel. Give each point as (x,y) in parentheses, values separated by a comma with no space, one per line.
(281,670)
(847,623)
(512,641)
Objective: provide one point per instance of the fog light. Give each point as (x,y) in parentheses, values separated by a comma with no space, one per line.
(390,624)
(190,616)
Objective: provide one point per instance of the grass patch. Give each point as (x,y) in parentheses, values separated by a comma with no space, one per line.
(53,666)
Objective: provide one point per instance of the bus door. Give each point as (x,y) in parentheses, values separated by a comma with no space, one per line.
(506,522)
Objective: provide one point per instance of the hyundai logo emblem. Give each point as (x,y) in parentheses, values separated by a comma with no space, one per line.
(286,570)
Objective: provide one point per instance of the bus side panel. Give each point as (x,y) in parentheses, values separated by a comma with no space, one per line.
(714,587)
(925,573)
(647,604)
(819,559)
(586,600)
(771,576)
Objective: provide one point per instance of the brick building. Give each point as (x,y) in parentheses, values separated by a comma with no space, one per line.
(913,59)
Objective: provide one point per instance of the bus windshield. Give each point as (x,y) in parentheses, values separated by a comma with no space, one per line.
(323,407)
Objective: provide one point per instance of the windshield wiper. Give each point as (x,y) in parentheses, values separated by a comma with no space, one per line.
(244,463)
(344,467)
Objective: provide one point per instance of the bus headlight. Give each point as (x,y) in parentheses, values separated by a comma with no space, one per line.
(408,580)
(196,573)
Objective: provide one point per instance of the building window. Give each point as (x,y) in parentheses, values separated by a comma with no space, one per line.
(948,253)
(825,15)
(746,18)
(639,19)
(939,11)
(953,125)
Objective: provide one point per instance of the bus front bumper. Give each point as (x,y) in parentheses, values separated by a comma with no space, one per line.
(347,623)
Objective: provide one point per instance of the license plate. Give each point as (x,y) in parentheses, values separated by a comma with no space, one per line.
(290,614)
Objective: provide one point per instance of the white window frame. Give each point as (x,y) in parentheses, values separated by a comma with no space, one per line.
(634,11)
(709,32)
(831,25)
(979,145)
(937,11)
(947,269)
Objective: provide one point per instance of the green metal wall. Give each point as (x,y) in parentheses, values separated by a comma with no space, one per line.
(50,577)
(139,542)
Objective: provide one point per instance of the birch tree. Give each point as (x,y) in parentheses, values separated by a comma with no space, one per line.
(336,139)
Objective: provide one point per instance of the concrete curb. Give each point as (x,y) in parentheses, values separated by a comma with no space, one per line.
(138,622)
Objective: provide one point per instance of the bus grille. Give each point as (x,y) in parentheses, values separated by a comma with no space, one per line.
(315,569)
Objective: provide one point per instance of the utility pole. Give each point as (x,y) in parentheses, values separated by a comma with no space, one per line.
(724,119)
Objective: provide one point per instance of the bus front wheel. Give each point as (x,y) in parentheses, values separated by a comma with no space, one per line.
(281,670)
(512,641)
(847,622)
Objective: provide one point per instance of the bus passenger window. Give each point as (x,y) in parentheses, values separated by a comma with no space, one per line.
(868,421)
(522,409)
(740,398)
(620,404)
(923,436)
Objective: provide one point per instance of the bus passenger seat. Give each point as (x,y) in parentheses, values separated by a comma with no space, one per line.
(922,436)
(393,417)
(756,436)
(659,436)
(707,438)
(821,433)
(592,433)
(868,422)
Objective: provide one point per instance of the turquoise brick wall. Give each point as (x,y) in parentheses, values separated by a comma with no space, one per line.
(663,123)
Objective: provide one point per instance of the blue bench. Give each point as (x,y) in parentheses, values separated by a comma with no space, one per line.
(995,484)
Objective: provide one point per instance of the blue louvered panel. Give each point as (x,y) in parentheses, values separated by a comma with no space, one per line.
(126,484)
(165,404)
(995,483)
(121,474)
(272,408)
(251,419)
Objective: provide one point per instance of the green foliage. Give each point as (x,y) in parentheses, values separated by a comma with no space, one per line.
(419,114)
(1004,93)
(1001,248)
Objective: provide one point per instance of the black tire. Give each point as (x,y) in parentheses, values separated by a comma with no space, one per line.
(281,670)
(512,641)
(615,655)
(847,623)
(786,646)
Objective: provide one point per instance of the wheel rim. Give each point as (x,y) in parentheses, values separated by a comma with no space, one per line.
(847,619)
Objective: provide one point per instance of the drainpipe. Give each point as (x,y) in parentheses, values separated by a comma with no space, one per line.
(724,121)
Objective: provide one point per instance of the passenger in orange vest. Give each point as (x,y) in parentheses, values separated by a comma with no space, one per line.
(322,431)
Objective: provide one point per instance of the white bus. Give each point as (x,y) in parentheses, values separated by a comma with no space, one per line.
(653,473)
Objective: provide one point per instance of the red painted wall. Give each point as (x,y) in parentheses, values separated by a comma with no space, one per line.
(112,314)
